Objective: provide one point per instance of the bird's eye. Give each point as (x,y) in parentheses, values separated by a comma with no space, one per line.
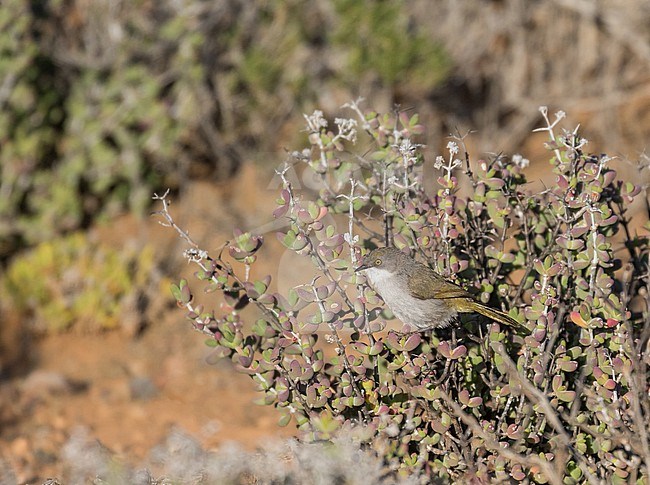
(377,262)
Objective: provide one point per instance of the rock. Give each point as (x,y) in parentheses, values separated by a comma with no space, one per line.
(142,388)
(41,383)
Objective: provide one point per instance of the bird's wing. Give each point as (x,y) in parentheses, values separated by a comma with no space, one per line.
(420,287)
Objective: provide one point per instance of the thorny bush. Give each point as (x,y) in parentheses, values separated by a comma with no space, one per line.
(563,399)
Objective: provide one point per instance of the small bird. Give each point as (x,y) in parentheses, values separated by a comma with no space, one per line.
(419,296)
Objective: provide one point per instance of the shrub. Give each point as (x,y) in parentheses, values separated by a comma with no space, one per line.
(386,46)
(561,400)
(88,129)
(76,281)
(104,103)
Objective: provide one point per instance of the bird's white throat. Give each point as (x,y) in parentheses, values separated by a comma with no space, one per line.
(384,283)
(379,276)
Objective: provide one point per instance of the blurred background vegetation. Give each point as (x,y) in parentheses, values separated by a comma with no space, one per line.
(104,102)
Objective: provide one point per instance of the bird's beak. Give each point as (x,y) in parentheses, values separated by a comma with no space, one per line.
(361,267)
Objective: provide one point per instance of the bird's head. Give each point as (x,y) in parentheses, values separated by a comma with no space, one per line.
(389,260)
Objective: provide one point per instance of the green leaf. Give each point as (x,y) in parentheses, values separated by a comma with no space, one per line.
(259,327)
(566,396)
(185,294)
(176,292)
(284,420)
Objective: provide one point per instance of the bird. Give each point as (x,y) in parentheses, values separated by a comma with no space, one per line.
(419,296)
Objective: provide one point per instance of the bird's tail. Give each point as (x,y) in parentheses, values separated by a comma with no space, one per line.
(496,315)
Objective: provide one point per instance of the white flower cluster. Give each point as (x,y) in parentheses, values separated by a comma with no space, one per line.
(520,161)
(570,140)
(349,239)
(195,255)
(347,128)
(453,163)
(408,151)
(559,115)
(303,156)
(316,121)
